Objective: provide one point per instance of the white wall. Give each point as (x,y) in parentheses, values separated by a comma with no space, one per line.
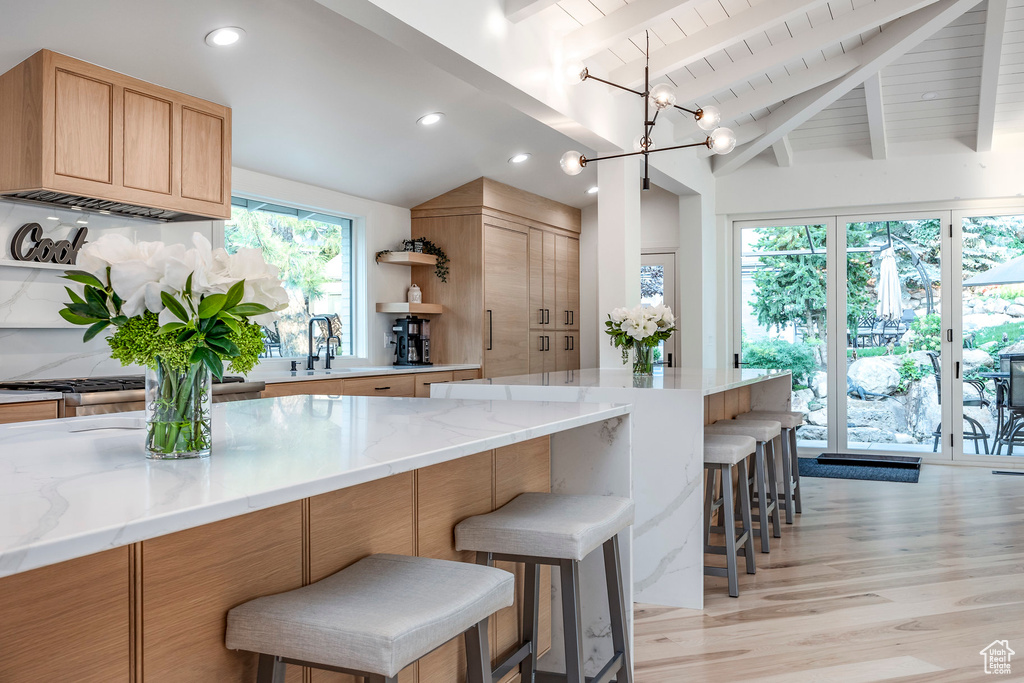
(36,343)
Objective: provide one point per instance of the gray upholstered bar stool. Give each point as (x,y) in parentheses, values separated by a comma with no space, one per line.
(789,420)
(763,432)
(721,454)
(558,530)
(374,618)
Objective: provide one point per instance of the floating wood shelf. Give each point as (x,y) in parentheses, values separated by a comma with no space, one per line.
(408,258)
(423,309)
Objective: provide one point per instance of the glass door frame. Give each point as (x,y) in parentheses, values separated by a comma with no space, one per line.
(960,454)
(832,325)
(951,350)
(671,291)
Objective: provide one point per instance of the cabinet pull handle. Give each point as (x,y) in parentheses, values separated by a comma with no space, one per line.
(566,344)
(547,316)
(541,339)
(572,317)
(490,330)
(541,316)
(572,343)
(381,388)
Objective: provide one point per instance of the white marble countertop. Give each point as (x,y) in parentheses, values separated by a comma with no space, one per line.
(276,376)
(8,396)
(83,484)
(706,380)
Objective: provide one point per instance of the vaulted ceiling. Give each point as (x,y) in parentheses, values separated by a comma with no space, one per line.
(795,76)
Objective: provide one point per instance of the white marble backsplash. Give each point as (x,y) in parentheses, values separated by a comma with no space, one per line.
(35,342)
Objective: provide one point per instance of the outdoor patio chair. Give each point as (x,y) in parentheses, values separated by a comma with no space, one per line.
(865,331)
(1014,405)
(271,341)
(977,431)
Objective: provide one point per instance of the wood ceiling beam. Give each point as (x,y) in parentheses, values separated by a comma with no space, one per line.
(783,152)
(620,25)
(846,26)
(995,20)
(517,10)
(876,116)
(716,37)
(896,40)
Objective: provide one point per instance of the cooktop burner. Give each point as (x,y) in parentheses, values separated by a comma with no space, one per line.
(88,385)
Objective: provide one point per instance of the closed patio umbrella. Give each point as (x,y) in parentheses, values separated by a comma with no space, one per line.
(1009,273)
(890,298)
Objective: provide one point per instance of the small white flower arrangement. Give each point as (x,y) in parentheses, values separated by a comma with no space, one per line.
(640,329)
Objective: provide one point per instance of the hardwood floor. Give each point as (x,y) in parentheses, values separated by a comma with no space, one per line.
(874,581)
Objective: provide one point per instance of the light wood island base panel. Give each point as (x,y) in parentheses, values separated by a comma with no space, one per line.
(155,611)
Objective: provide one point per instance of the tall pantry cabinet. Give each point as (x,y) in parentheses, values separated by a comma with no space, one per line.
(512,297)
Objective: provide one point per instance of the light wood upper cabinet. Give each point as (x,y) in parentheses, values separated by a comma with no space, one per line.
(567,278)
(74,128)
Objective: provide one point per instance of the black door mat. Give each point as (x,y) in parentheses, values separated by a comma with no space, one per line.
(870,460)
(810,467)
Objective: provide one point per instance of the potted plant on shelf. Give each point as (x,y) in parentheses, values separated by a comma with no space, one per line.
(640,330)
(181,313)
(425,246)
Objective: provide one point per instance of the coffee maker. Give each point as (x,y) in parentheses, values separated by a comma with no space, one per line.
(412,341)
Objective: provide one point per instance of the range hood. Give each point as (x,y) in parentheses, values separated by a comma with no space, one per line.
(76,135)
(70,201)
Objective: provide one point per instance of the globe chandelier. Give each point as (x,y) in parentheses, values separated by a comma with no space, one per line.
(719,140)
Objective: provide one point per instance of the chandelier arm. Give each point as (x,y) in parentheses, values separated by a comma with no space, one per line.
(688,111)
(614,85)
(706,143)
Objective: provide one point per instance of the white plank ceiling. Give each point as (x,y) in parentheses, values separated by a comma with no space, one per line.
(751,57)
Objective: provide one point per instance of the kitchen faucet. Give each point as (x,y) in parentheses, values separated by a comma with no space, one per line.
(310,358)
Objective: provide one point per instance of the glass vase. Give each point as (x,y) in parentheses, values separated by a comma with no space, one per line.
(178,411)
(643,360)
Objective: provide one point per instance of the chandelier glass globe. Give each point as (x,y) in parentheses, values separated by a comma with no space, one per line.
(571,163)
(723,140)
(708,118)
(662,96)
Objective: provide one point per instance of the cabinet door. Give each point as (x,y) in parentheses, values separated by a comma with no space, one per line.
(506,324)
(542,351)
(542,279)
(83,127)
(147,142)
(567,278)
(572,281)
(568,351)
(202,152)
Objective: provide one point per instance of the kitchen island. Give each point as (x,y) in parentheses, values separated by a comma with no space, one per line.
(116,568)
(670,410)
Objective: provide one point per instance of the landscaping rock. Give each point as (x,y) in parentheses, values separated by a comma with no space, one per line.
(868,435)
(876,375)
(923,409)
(1015,310)
(975,321)
(905,438)
(977,360)
(817,417)
(1015,347)
(819,384)
(800,400)
(994,305)
(872,414)
(812,433)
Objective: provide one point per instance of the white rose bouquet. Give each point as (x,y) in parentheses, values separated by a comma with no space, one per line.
(640,329)
(179,312)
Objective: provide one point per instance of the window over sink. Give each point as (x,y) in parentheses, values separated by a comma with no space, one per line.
(314,252)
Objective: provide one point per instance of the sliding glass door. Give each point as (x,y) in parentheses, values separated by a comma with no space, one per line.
(784,313)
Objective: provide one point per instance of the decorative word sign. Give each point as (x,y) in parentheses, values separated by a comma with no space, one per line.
(29,244)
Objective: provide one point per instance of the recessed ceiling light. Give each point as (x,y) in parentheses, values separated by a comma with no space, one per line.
(222,37)
(430,119)
(519,158)
(930,95)
(592,190)
(52,218)
(82,221)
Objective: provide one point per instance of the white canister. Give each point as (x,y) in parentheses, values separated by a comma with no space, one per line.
(415,295)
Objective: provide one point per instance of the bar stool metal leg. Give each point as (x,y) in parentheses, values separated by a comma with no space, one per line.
(795,459)
(762,498)
(729,524)
(271,669)
(773,488)
(531,620)
(744,506)
(569,576)
(478,654)
(617,609)
(787,476)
